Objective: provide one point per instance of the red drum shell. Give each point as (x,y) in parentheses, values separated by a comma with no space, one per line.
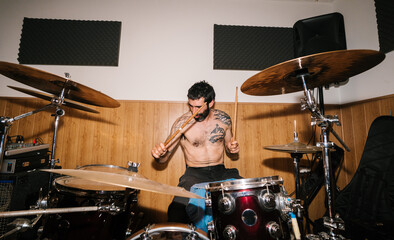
(248,218)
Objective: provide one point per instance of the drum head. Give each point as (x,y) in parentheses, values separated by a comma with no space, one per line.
(245,183)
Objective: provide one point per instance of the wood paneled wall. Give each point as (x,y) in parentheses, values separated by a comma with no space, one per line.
(128,133)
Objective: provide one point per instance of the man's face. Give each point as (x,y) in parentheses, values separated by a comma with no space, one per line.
(194,105)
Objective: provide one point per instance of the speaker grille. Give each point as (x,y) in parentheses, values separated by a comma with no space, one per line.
(6,189)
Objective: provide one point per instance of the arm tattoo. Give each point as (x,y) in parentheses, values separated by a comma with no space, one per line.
(223,117)
(178,124)
(217,134)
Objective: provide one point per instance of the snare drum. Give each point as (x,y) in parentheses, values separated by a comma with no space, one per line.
(248,209)
(169,231)
(75,192)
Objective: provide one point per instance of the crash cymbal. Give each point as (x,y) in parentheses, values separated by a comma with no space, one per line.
(54,84)
(135,181)
(67,103)
(323,68)
(294,147)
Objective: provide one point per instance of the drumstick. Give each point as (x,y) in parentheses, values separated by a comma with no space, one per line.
(183,125)
(235,114)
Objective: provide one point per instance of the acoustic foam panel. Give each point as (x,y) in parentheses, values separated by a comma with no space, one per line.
(385,19)
(69,42)
(251,48)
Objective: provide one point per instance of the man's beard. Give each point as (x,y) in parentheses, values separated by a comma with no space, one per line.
(202,116)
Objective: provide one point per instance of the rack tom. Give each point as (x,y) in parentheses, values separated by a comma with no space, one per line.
(247,209)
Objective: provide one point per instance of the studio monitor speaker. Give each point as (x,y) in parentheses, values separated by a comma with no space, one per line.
(319,34)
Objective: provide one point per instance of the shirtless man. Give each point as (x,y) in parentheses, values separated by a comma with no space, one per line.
(203,141)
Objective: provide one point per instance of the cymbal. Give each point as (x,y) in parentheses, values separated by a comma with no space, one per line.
(135,181)
(323,68)
(294,147)
(67,103)
(54,84)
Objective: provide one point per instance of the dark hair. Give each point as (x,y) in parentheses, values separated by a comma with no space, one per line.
(201,89)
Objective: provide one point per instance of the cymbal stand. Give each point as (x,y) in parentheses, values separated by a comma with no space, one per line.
(332,222)
(57,102)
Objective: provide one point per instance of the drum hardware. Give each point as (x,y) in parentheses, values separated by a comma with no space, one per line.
(319,69)
(296,150)
(133,166)
(21,225)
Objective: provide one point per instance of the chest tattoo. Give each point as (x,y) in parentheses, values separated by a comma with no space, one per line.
(217,134)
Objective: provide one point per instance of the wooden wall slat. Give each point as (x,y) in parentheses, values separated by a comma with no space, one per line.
(128,133)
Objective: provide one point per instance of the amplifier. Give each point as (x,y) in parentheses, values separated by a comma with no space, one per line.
(23,157)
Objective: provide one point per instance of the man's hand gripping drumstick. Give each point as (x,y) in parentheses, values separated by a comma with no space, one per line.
(162,148)
(233,146)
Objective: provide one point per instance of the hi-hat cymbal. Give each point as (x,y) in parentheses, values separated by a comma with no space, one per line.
(135,181)
(48,97)
(323,69)
(294,147)
(54,84)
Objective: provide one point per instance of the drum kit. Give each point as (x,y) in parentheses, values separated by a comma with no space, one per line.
(98,201)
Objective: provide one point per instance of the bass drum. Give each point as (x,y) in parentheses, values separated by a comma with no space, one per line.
(71,192)
(170,231)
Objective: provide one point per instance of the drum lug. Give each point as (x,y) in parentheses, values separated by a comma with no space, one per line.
(267,200)
(211,228)
(274,230)
(208,202)
(227,204)
(230,232)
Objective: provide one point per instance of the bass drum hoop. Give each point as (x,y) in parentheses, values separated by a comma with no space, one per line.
(245,183)
(172,227)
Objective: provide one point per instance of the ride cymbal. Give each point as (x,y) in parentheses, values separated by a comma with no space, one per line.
(67,103)
(54,84)
(134,180)
(322,69)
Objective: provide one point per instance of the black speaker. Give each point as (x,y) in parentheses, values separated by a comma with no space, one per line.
(19,191)
(319,34)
